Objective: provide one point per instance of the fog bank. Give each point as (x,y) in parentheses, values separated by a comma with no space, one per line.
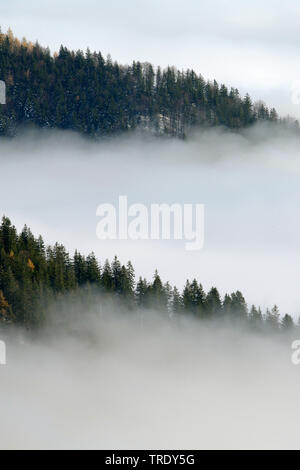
(106,379)
(249,184)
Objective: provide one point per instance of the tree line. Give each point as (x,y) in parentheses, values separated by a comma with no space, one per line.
(33,277)
(85,92)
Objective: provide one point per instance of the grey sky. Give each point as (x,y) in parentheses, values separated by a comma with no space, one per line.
(253,46)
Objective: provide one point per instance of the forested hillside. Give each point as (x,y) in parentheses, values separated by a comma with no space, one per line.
(33,276)
(83,91)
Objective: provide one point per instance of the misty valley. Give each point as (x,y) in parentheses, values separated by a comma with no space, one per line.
(149,240)
(114,345)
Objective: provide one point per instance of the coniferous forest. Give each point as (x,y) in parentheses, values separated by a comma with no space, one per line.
(33,277)
(85,92)
(96,96)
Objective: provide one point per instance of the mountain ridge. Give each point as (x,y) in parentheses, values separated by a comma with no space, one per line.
(96,96)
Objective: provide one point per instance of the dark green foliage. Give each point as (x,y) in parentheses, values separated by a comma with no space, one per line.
(194,298)
(84,92)
(256,317)
(272,317)
(287,322)
(213,302)
(33,277)
(142,293)
(157,294)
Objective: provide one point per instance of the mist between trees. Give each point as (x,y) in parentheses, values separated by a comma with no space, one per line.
(101,376)
(96,96)
(33,277)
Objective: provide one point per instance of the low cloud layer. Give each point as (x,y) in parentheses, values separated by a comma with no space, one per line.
(103,379)
(54,182)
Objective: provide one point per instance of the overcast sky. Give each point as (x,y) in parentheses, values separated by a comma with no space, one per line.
(252,46)
(249,186)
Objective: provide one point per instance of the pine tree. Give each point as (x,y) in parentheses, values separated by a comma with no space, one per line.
(117,274)
(5,309)
(106,277)
(142,293)
(93,274)
(287,322)
(238,305)
(272,317)
(227,305)
(176,302)
(213,305)
(256,317)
